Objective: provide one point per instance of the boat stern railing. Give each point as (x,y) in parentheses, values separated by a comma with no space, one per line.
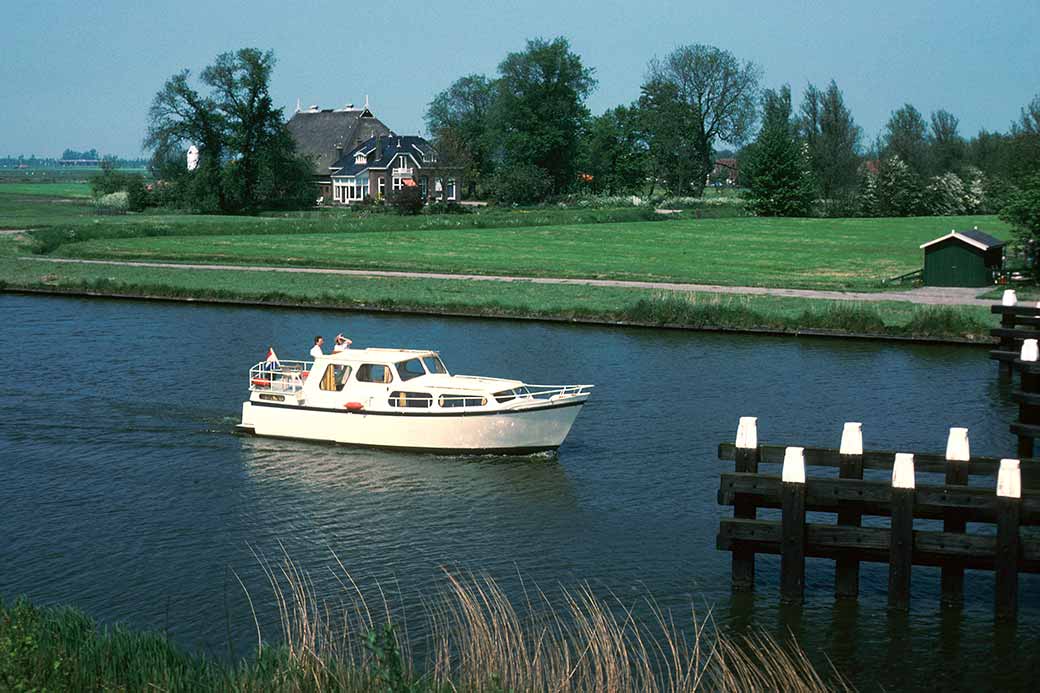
(282,376)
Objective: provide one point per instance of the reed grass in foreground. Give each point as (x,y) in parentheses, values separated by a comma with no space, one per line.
(478,640)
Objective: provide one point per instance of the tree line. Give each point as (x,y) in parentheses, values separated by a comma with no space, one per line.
(526,134)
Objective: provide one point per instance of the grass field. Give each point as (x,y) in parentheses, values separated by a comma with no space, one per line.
(622,243)
(853,254)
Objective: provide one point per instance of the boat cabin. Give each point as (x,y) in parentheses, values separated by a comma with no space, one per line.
(380,379)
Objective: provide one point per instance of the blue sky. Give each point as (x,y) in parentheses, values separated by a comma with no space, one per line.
(82,74)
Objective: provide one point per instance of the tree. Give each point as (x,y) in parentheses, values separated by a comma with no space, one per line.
(671,131)
(833,140)
(948,147)
(776,169)
(539,109)
(720,91)
(1025,142)
(1023,212)
(247,158)
(898,189)
(906,137)
(458,119)
(617,152)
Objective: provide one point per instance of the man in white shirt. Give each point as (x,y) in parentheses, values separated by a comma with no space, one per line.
(316,349)
(342,344)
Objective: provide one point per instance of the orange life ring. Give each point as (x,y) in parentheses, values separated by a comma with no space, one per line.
(261,382)
(354,406)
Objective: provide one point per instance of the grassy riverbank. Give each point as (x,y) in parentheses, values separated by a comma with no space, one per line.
(479,640)
(519,299)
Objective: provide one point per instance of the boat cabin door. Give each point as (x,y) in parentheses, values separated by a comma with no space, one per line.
(331,382)
(370,384)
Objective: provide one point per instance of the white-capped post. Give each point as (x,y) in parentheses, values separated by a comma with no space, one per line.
(850,466)
(1009,298)
(1009,508)
(955,521)
(1028,412)
(901,550)
(746,458)
(792,527)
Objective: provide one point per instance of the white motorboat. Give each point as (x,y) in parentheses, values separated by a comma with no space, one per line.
(405,398)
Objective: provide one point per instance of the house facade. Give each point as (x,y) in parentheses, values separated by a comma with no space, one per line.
(324,134)
(386,163)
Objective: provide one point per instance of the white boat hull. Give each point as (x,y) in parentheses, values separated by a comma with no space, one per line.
(516,430)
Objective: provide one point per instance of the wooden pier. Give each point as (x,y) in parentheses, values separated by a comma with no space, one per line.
(1001,502)
(1018,323)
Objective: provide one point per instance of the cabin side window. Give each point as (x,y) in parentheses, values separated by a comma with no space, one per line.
(374,373)
(334,378)
(421,400)
(412,368)
(450,401)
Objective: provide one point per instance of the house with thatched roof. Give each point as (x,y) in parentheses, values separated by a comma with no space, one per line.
(324,134)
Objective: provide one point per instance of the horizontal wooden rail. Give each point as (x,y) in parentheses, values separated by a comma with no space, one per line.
(1016,310)
(882,460)
(873,543)
(875,497)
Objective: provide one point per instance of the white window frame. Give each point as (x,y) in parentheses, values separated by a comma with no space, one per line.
(450,187)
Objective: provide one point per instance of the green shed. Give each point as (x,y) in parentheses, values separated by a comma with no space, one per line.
(962,258)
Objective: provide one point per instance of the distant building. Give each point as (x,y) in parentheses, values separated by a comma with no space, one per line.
(391,162)
(324,134)
(725,172)
(91,163)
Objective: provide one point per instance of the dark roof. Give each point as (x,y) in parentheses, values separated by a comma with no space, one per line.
(391,146)
(974,237)
(318,133)
(983,238)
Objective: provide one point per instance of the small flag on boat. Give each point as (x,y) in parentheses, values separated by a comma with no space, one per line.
(271,363)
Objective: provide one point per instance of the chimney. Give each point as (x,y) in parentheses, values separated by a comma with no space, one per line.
(339,151)
(379,148)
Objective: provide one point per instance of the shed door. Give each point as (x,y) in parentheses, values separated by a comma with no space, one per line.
(952,264)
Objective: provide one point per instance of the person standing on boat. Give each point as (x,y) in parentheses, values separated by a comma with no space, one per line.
(316,349)
(342,343)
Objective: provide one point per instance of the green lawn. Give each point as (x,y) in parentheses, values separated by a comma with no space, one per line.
(853,254)
(76,190)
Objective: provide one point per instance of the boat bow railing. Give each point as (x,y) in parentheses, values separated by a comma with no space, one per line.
(283,376)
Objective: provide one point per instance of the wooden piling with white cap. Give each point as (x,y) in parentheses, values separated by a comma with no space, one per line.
(846,572)
(901,548)
(792,527)
(1009,505)
(958,455)
(1028,410)
(746,461)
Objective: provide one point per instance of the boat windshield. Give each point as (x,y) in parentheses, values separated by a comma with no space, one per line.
(412,368)
(434,364)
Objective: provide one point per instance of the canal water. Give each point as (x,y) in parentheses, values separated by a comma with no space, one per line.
(125,491)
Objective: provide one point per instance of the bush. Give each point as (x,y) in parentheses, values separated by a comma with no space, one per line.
(447,208)
(111,181)
(113,203)
(520,184)
(408,200)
